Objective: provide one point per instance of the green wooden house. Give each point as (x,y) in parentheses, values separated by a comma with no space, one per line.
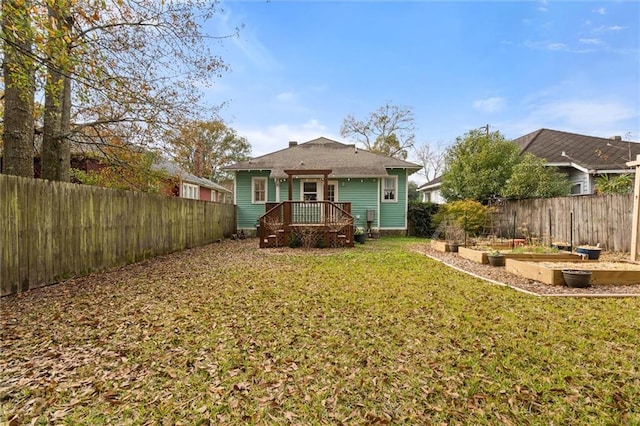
(321,183)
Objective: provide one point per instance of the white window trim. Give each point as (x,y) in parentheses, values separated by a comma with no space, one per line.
(318,183)
(395,191)
(253,189)
(336,199)
(190,191)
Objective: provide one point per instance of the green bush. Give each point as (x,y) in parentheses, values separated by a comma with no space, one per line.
(469,215)
(420,215)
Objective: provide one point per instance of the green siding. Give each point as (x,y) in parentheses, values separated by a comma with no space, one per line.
(248,213)
(393,215)
(363,194)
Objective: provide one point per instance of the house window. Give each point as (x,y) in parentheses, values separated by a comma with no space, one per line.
(390,189)
(259,190)
(190,191)
(576,189)
(310,191)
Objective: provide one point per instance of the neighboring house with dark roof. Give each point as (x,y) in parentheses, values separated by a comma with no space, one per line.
(375,185)
(430,191)
(192,186)
(581,157)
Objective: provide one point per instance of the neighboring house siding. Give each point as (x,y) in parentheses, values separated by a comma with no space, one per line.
(577,177)
(205,194)
(248,212)
(432,196)
(393,214)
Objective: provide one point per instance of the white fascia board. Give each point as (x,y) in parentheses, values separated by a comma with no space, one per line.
(616,171)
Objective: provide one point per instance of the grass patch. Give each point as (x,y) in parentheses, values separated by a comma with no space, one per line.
(230,334)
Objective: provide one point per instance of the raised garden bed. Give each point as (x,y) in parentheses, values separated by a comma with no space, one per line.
(480,256)
(602,273)
(442,246)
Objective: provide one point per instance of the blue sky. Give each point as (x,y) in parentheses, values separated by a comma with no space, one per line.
(298,68)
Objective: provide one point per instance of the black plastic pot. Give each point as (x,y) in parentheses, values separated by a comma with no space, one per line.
(576,278)
(592,253)
(496,259)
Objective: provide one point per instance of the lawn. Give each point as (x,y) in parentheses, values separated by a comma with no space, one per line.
(377,334)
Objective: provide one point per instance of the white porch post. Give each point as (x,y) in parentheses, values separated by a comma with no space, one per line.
(635,222)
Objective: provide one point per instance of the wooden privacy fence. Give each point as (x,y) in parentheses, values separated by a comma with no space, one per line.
(51,231)
(604,219)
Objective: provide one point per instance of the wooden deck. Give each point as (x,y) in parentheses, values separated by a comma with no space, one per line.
(307,222)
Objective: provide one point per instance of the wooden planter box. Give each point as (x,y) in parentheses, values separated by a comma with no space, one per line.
(480,256)
(601,273)
(442,246)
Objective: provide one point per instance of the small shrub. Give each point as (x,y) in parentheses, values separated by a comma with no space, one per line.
(294,240)
(420,215)
(469,215)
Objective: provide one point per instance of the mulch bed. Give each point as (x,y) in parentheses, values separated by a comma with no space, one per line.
(498,275)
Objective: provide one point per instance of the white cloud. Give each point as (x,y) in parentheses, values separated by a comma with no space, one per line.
(554,46)
(490,105)
(273,138)
(286,96)
(600,11)
(611,28)
(591,41)
(585,112)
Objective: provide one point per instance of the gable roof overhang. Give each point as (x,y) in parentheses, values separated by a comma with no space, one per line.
(345,161)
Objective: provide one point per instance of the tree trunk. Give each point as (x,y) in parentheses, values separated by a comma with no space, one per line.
(18,72)
(56,154)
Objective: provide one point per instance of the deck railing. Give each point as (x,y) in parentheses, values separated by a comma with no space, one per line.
(333,221)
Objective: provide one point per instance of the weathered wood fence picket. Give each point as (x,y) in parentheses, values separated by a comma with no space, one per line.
(604,219)
(50,231)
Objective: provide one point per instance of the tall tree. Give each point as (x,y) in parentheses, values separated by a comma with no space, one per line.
(389,130)
(19,87)
(203,148)
(56,154)
(478,166)
(126,68)
(431,157)
(531,178)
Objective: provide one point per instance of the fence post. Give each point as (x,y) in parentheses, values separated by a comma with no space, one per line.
(635,221)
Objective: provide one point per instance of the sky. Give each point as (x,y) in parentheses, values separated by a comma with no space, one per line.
(298,68)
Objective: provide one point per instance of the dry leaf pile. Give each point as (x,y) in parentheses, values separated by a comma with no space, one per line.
(377,334)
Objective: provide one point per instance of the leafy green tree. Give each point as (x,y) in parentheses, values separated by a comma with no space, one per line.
(389,130)
(478,165)
(412,189)
(531,178)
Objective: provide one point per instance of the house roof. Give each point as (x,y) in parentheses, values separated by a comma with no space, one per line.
(344,160)
(590,152)
(173,169)
(435,183)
